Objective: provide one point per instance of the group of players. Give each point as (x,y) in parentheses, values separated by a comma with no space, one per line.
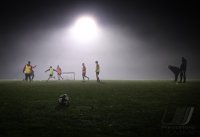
(29,73)
(179,70)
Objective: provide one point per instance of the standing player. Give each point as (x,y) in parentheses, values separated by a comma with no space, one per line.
(32,73)
(183,70)
(51,73)
(97,71)
(28,71)
(84,72)
(59,72)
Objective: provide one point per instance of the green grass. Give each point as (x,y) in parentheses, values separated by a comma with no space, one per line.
(108,109)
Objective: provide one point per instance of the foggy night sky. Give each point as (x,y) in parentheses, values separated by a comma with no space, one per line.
(138,39)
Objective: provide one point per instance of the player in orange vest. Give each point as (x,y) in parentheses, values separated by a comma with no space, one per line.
(59,72)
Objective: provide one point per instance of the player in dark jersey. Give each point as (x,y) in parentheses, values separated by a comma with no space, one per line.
(84,72)
(183,70)
(175,70)
(97,71)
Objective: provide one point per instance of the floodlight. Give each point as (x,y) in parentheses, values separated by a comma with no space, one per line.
(85,29)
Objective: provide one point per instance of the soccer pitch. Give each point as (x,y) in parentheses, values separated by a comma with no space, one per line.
(107,109)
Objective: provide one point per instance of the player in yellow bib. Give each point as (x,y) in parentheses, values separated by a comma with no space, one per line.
(51,70)
(28,71)
(97,71)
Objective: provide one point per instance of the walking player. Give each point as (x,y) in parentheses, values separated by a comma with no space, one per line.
(84,72)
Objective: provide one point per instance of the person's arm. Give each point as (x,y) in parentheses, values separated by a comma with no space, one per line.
(34,66)
(24,68)
(47,70)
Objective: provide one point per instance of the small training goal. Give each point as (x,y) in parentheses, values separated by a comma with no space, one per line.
(68,75)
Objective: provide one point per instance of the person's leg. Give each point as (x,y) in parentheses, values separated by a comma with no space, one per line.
(61,77)
(176,77)
(83,78)
(87,77)
(83,75)
(29,77)
(181,76)
(97,75)
(32,75)
(49,77)
(176,73)
(26,77)
(184,77)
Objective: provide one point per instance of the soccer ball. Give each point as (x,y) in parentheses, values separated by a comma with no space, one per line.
(64,100)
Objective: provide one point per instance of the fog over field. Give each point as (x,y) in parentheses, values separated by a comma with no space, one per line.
(134,41)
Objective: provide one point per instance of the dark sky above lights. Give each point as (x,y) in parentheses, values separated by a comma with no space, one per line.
(139,39)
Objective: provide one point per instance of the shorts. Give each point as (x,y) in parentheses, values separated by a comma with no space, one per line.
(27,76)
(83,74)
(97,73)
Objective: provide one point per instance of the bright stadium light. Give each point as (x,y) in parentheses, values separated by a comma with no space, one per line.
(85,29)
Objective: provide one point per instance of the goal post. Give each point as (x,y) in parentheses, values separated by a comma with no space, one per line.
(69,75)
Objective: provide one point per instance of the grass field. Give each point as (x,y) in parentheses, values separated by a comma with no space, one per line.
(108,109)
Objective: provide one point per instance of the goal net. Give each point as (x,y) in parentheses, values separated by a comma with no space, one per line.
(68,75)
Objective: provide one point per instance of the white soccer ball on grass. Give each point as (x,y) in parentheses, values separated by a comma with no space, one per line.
(64,100)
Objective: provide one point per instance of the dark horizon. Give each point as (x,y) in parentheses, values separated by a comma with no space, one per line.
(139,39)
